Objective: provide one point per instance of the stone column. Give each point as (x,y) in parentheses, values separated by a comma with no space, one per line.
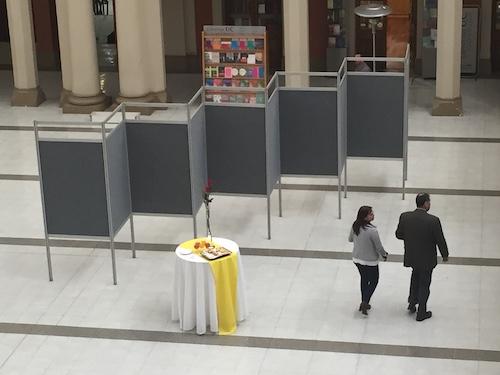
(133,64)
(24,65)
(296,35)
(86,95)
(153,27)
(448,101)
(64,49)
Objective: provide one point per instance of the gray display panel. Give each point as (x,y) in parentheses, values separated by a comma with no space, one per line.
(74,188)
(198,157)
(273,141)
(118,174)
(159,168)
(236,145)
(375,116)
(308,132)
(342,117)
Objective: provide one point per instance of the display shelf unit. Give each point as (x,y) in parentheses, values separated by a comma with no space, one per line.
(234,57)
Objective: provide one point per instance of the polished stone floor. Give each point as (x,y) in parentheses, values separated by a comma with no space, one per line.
(303,317)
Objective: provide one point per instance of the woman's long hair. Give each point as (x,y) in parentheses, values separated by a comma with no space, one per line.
(360,222)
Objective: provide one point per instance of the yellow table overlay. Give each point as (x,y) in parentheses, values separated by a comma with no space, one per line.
(225,271)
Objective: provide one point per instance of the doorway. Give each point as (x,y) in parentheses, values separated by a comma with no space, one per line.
(495,38)
(266,13)
(364,45)
(413,37)
(4,36)
(105,31)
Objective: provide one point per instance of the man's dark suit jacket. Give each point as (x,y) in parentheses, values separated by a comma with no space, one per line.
(421,232)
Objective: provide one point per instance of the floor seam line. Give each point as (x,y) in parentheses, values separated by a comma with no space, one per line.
(246,251)
(331,346)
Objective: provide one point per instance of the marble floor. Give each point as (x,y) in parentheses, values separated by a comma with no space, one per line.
(303,317)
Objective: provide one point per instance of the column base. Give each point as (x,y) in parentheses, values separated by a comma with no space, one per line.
(161,96)
(447,107)
(64,97)
(85,104)
(27,97)
(148,98)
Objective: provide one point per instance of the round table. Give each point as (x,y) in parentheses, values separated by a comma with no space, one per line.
(194,304)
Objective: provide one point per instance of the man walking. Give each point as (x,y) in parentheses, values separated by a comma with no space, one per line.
(421,233)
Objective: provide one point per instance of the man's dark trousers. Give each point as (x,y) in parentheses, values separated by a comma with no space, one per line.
(420,289)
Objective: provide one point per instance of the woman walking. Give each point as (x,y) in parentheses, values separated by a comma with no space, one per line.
(366,253)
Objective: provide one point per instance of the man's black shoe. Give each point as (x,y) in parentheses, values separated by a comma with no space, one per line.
(412,308)
(426,315)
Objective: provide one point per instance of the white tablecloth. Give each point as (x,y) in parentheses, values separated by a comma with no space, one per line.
(194,303)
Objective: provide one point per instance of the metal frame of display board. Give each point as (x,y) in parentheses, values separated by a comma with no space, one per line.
(190,112)
(338,86)
(193,110)
(52,126)
(270,185)
(405,74)
(270,95)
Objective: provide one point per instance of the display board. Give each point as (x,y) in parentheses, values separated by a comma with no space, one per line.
(376,115)
(236,149)
(74,187)
(342,124)
(273,141)
(159,168)
(308,131)
(198,157)
(118,175)
(234,57)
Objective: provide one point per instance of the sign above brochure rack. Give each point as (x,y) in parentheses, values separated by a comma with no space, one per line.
(234,64)
(228,30)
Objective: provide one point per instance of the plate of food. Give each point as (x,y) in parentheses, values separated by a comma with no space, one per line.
(215,252)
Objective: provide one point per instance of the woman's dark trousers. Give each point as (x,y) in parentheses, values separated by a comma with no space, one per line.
(369,281)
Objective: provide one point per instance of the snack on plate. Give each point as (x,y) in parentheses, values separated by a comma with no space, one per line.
(202,245)
(213,252)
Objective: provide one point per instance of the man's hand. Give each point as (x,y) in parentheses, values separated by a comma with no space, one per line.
(445,259)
